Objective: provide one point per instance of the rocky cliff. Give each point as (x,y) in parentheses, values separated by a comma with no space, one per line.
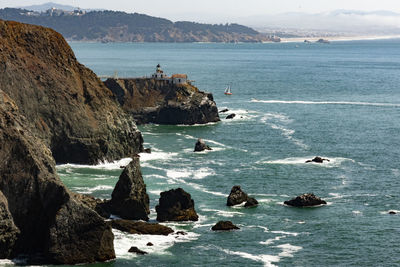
(155,101)
(68,107)
(39,216)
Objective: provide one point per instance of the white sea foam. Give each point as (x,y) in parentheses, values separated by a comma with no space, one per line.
(333,162)
(90,190)
(271,241)
(288,250)
(115,165)
(155,192)
(6,262)
(387,211)
(285,233)
(326,103)
(241,115)
(356,212)
(225,213)
(267,260)
(156,155)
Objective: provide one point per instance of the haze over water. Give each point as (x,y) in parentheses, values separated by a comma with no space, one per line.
(293,101)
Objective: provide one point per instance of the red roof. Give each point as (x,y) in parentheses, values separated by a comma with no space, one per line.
(182,76)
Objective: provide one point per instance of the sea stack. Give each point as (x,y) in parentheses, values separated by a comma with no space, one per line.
(176,205)
(305,200)
(237,196)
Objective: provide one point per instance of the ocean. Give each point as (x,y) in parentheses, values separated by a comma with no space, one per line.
(293,101)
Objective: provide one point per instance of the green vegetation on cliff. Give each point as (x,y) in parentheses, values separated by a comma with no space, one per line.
(124,27)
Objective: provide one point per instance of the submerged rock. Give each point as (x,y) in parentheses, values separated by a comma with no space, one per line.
(305,200)
(53,226)
(68,107)
(392,212)
(157,101)
(224,226)
(230,116)
(137,251)
(224,110)
(317,160)
(176,205)
(251,202)
(201,146)
(129,199)
(141,228)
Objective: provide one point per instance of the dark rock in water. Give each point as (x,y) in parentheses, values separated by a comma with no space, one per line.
(147,150)
(305,200)
(137,251)
(129,198)
(53,226)
(230,116)
(8,231)
(251,202)
(157,101)
(201,146)
(392,212)
(317,160)
(141,228)
(68,107)
(237,196)
(176,205)
(181,233)
(322,41)
(149,244)
(224,226)
(224,110)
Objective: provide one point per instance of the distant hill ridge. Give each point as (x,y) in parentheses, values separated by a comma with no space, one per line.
(116,26)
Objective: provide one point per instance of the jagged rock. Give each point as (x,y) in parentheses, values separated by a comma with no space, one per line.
(224,110)
(392,212)
(149,244)
(147,150)
(68,107)
(137,251)
(8,231)
(305,200)
(176,205)
(237,196)
(230,116)
(251,202)
(201,146)
(53,225)
(317,160)
(156,101)
(129,198)
(224,226)
(141,228)
(181,233)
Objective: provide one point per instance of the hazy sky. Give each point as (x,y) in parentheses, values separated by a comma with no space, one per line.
(224,9)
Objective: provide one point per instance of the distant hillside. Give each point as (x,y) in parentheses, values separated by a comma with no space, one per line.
(112,26)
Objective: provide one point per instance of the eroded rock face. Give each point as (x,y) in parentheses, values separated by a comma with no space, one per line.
(53,226)
(201,146)
(224,226)
(129,198)
(176,205)
(154,101)
(237,196)
(305,200)
(68,107)
(141,228)
(8,231)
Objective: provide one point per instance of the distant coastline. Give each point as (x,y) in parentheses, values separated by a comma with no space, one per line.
(340,38)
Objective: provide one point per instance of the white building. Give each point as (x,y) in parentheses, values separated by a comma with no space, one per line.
(159,74)
(179,78)
(174,79)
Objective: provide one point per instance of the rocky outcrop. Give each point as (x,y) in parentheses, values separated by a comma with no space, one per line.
(317,160)
(141,228)
(392,212)
(305,200)
(54,227)
(68,107)
(201,146)
(237,196)
(176,205)
(129,199)
(224,226)
(137,251)
(156,101)
(230,116)
(8,231)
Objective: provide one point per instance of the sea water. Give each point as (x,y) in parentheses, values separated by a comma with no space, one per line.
(292,102)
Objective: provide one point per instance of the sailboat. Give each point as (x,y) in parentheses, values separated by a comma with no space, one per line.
(228,90)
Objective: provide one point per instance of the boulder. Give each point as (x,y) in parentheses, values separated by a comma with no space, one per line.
(317,160)
(305,200)
(201,146)
(230,116)
(176,205)
(137,251)
(157,101)
(8,231)
(53,226)
(224,226)
(392,212)
(129,199)
(237,196)
(68,107)
(149,244)
(251,202)
(141,228)
(224,110)
(147,150)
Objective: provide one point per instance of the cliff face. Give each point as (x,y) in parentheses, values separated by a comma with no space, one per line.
(39,216)
(154,101)
(67,105)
